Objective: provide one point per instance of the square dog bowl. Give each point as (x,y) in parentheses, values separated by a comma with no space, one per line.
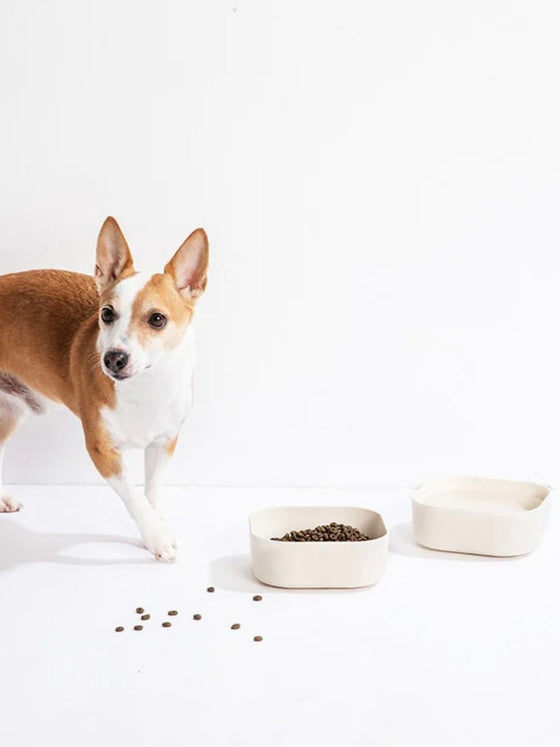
(479,516)
(317,565)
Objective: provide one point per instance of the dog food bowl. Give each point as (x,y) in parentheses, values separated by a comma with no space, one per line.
(479,516)
(317,565)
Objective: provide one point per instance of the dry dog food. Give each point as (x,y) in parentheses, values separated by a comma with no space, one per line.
(197,616)
(257,598)
(210,589)
(332,532)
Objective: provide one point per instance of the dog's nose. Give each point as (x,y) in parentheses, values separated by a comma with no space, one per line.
(115,360)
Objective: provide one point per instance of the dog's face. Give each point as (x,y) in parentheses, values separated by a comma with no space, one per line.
(141,318)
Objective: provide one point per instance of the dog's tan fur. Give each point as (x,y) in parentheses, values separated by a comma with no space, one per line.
(64,308)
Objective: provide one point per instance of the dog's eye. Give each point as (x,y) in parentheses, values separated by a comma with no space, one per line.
(157,320)
(107,315)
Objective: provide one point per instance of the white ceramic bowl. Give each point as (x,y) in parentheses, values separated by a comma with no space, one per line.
(480,516)
(317,564)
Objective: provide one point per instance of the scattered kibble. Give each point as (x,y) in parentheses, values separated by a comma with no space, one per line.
(257,598)
(332,532)
(210,589)
(197,616)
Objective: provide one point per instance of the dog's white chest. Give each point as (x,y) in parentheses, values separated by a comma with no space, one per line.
(154,405)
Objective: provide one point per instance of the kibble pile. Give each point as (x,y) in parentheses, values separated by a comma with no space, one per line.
(332,532)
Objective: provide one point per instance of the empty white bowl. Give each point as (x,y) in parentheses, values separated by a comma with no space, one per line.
(317,564)
(480,516)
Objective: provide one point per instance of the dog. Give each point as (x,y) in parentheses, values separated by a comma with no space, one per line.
(118,350)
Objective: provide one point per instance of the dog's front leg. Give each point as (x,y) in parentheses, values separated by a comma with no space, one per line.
(151,526)
(156,459)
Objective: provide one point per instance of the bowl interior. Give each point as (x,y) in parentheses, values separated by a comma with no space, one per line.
(275,522)
(482,495)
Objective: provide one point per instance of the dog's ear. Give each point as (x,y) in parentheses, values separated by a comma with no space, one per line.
(113,255)
(189,265)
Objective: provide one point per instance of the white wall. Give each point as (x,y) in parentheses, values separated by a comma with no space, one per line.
(381,186)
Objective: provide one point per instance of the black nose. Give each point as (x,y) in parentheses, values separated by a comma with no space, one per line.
(115,360)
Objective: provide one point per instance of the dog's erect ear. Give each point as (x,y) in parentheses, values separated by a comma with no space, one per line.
(189,265)
(113,255)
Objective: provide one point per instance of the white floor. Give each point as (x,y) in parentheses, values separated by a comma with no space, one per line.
(447,650)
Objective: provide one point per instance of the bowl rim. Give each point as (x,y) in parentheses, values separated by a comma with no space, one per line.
(433,483)
(327,543)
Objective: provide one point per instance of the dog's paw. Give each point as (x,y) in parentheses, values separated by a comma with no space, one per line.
(161,543)
(9,505)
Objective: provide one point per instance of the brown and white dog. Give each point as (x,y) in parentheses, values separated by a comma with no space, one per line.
(118,351)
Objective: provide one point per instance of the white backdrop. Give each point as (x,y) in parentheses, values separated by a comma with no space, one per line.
(380,184)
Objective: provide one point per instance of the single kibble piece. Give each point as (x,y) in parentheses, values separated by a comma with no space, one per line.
(257,638)
(197,617)
(166,625)
(138,627)
(257,598)
(235,626)
(332,532)
(145,617)
(119,629)
(210,589)
(139,610)
(172,613)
